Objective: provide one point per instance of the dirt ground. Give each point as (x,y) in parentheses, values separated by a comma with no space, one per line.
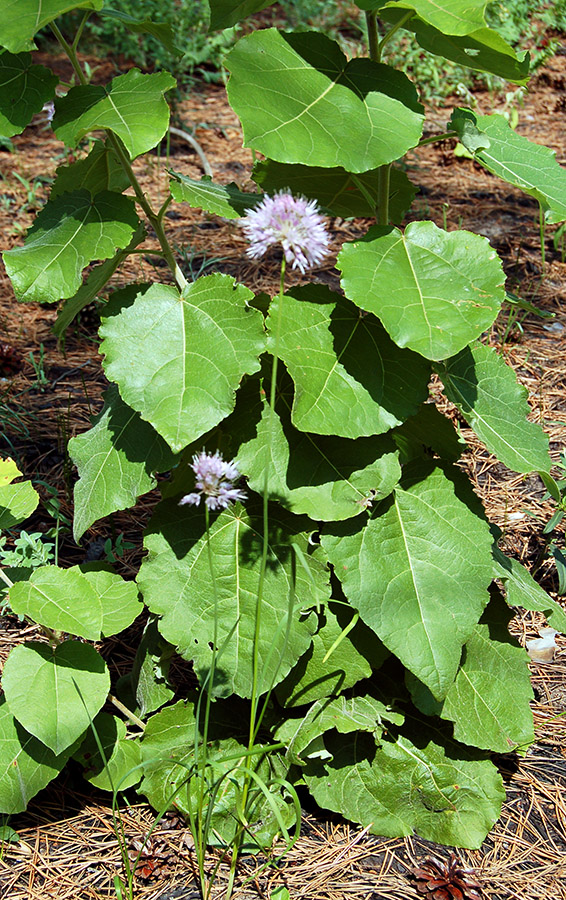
(48,393)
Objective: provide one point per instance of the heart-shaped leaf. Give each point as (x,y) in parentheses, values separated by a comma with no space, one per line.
(120,767)
(22,19)
(24,88)
(17,501)
(350,378)
(486,391)
(101,170)
(116,460)
(435,291)
(202,343)
(26,765)
(118,598)
(55,693)
(68,233)
(176,583)
(61,599)
(133,107)
(297,97)
(418,570)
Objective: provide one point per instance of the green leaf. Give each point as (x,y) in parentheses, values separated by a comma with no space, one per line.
(17,501)
(449,16)
(149,677)
(203,342)
(434,290)
(522,590)
(297,97)
(96,279)
(224,13)
(483,50)
(55,692)
(121,756)
(486,391)
(175,581)
(118,598)
(159,30)
(26,765)
(222,199)
(101,170)
(133,107)
(362,713)
(418,570)
(169,761)
(68,233)
(420,782)
(337,191)
(24,88)
(350,378)
(61,599)
(326,478)
(518,161)
(353,658)
(116,460)
(489,699)
(22,19)
(428,431)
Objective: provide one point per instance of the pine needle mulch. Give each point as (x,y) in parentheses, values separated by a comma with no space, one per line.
(68,848)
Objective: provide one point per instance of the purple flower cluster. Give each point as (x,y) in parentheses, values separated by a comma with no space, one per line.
(214,481)
(293,222)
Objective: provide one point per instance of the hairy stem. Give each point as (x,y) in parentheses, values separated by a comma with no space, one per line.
(127,712)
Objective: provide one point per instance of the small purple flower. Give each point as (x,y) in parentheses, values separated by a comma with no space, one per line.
(214,481)
(293,222)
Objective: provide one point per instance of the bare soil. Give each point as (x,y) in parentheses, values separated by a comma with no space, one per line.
(49,391)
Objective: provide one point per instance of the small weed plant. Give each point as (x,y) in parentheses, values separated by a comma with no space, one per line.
(318,554)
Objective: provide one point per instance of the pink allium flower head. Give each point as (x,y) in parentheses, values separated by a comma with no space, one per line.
(214,482)
(293,222)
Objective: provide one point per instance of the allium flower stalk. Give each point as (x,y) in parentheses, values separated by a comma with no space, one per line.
(214,481)
(293,222)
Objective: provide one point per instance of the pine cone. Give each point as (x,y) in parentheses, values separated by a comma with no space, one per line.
(438,880)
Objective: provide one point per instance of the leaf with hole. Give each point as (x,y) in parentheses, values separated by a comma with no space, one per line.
(55,692)
(434,291)
(297,96)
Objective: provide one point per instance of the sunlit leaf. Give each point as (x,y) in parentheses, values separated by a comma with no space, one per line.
(116,770)
(225,200)
(22,19)
(61,599)
(522,590)
(17,501)
(449,16)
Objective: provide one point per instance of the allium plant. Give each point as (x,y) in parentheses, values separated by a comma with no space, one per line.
(336,587)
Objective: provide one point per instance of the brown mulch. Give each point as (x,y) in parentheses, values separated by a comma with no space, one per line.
(68,847)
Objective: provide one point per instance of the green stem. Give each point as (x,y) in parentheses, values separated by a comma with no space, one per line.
(402,21)
(435,138)
(127,712)
(384,178)
(373,37)
(116,144)
(80,29)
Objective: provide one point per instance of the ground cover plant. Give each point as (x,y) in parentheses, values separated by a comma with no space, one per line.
(346,462)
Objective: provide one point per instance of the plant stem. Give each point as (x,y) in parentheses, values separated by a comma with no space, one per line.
(118,148)
(435,138)
(373,37)
(387,37)
(542,230)
(127,712)
(383,183)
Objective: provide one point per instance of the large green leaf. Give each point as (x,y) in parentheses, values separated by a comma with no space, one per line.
(149,683)
(449,16)
(298,97)
(26,765)
(486,391)
(224,13)
(116,460)
(169,760)
(518,161)
(339,192)
(178,361)
(61,599)
(101,170)
(118,598)
(428,430)
(434,290)
(350,378)
(68,233)
(489,699)
(418,570)
(176,583)
(55,692)
(326,478)
(522,590)
(22,19)
(352,655)
(419,782)
(17,501)
(133,107)
(120,767)
(222,199)
(24,88)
